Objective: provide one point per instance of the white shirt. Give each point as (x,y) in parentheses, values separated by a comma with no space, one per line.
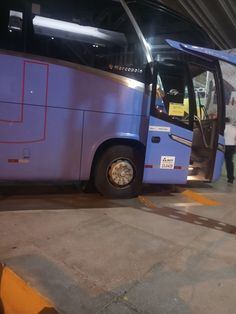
(230,134)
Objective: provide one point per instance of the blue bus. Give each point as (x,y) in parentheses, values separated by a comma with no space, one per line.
(101,96)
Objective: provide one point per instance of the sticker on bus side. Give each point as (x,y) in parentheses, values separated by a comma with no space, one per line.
(159,128)
(167,162)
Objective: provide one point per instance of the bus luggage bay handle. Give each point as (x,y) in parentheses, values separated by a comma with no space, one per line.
(156,139)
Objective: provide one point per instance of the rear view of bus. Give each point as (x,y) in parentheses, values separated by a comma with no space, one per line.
(92,91)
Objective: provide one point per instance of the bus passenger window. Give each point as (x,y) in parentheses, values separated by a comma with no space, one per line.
(97,36)
(11,27)
(15,21)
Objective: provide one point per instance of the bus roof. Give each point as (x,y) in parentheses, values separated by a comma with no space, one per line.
(204,52)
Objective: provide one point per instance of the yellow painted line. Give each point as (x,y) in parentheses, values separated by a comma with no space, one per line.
(197,197)
(17,297)
(147,202)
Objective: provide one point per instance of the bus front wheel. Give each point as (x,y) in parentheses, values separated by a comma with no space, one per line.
(119,171)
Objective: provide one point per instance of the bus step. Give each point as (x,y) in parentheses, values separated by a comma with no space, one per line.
(193,171)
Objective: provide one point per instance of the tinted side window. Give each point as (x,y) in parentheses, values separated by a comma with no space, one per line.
(97,34)
(11,27)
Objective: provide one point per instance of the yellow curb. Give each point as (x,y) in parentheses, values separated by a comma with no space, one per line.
(17,297)
(199,198)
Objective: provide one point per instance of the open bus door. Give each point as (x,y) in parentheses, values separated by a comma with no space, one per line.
(185,138)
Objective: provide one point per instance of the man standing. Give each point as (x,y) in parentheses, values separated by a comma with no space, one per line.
(230,145)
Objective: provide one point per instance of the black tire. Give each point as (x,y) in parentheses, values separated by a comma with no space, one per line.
(119,171)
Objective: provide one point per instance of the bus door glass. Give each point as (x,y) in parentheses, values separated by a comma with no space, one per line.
(205,156)
(170,128)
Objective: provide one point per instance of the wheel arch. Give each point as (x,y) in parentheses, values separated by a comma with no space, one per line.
(113,142)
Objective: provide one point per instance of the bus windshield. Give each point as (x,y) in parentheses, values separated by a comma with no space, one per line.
(158,23)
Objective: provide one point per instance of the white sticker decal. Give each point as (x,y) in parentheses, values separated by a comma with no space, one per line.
(159,128)
(167,162)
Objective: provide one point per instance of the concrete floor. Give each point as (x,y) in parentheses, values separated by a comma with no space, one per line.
(164,252)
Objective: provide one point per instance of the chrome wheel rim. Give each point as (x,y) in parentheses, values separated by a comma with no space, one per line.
(121,173)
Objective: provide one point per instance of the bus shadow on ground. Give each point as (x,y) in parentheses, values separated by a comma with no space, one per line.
(187,217)
(53,196)
(45,196)
(28,197)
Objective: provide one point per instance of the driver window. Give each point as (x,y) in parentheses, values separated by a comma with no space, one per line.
(176,94)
